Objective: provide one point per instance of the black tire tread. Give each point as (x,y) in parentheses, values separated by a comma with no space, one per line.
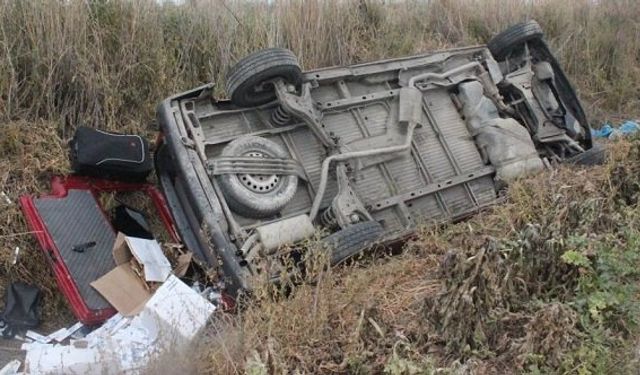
(596,155)
(260,56)
(256,62)
(260,63)
(242,209)
(515,35)
(350,241)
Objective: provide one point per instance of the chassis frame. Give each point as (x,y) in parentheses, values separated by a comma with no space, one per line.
(203,220)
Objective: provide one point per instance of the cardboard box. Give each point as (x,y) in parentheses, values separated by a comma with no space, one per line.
(146,253)
(123,287)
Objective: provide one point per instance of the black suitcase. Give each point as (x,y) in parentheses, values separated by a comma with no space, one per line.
(110,155)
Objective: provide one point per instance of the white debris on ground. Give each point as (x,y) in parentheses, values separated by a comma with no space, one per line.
(157,312)
(11,368)
(6,198)
(171,319)
(58,336)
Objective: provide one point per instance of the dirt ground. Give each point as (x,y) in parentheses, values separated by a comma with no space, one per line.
(10,350)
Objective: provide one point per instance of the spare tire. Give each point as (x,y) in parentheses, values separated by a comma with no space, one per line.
(257,196)
(246,80)
(516,35)
(350,241)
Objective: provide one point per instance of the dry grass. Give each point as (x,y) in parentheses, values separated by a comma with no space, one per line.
(493,292)
(335,325)
(107,63)
(29,158)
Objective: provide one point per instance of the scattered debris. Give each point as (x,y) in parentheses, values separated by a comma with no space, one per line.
(210,293)
(57,336)
(63,333)
(11,368)
(182,264)
(16,253)
(6,197)
(144,254)
(73,226)
(35,336)
(169,320)
(140,264)
(130,275)
(608,131)
(82,332)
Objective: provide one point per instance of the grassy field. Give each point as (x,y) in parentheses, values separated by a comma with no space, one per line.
(544,283)
(107,63)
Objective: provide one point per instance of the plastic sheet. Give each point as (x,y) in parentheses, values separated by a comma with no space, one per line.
(608,131)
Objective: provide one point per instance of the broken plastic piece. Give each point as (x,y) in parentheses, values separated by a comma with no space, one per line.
(15,255)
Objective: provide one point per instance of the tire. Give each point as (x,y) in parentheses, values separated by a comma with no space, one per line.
(516,35)
(596,155)
(257,196)
(350,241)
(245,79)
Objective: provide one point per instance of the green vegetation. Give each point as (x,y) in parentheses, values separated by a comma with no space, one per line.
(545,283)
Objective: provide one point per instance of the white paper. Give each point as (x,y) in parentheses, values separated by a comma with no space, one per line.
(11,368)
(73,329)
(108,328)
(148,252)
(59,335)
(126,345)
(178,308)
(125,351)
(62,334)
(35,336)
(30,345)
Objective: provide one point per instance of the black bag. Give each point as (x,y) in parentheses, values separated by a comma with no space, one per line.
(131,222)
(109,155)
(21,306)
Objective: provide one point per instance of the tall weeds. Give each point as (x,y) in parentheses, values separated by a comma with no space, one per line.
(107,63)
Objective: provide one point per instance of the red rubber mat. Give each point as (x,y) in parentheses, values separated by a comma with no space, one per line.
(71,217)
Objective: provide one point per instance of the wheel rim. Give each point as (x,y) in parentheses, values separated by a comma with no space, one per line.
(258,183)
